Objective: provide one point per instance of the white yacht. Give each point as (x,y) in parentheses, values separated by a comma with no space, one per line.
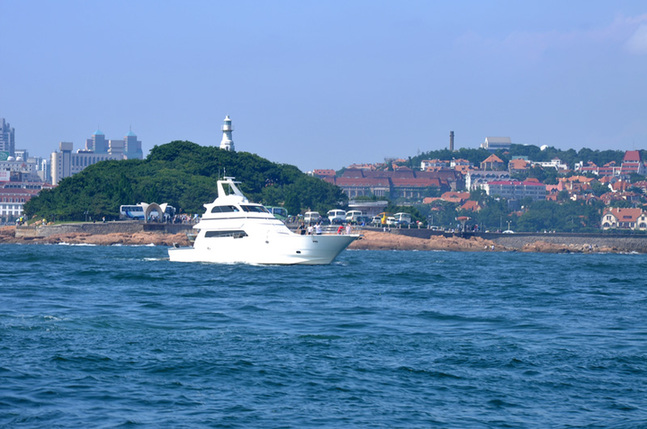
(233,230)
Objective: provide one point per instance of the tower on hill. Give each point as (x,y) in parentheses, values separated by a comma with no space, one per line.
(227,143)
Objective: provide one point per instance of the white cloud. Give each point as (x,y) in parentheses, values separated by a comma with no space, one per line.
(629,32)
(637,43)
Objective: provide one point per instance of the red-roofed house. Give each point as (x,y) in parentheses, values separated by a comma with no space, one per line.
(404,183)
(429,200)
(321,173)
(471,205)
(492,162)
(574,184)
(12,201)
(455,197)
(641,185)
(624,218)
(632,163)
(620,186)
(517,165)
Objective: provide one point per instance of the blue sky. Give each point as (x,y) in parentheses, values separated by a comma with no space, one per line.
(323,84)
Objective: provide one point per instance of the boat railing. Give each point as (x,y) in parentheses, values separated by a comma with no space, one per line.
(328,229)
(334,230)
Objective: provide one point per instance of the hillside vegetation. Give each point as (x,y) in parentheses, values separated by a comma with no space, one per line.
(184,175)
(532,152)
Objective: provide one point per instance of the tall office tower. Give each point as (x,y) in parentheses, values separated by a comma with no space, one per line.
(7,139)
(133,147)
(98,143)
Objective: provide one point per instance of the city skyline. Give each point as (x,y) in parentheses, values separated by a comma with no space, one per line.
(326,85)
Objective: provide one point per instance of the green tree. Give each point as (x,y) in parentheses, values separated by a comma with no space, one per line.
(184,175)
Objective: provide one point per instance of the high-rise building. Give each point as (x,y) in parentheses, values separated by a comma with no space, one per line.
(97,143)
(65,162)
(7,140)
(132,146)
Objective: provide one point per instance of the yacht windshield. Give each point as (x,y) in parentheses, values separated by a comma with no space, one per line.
(254,209)
(224,209)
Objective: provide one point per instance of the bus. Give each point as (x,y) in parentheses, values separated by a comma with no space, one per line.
(131,212)
(138,212)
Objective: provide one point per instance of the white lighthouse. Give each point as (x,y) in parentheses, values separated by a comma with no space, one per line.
(227,143)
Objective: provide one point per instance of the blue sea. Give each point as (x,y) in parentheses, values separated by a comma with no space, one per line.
(118,336)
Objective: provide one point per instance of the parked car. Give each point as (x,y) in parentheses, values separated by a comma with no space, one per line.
(352,215)
(336,216)
(402,219)
(312,217)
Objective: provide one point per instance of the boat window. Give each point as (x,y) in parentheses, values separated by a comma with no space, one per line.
(256,209)
(236,233)
(224,209)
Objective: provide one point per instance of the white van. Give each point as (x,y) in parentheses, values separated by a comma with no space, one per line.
(352,216)
(336,216)
(402,219)
(312,217)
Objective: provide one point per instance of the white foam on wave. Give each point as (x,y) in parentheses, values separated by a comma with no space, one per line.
(64,243)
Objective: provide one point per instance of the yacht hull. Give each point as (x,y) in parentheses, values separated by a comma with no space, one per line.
(290,249)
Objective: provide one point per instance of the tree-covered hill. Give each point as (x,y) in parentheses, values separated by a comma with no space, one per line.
(184,175)
(532,152)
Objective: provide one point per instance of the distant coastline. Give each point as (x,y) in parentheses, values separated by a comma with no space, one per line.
(113,233)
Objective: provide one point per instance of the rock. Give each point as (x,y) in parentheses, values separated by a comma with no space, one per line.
(371,240)
(377,240)
(7,235)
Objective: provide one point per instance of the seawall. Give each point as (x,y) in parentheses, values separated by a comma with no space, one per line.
(99,228)
(128,232)
(619,242)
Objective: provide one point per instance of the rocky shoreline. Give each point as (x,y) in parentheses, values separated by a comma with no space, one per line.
(375,240)
(8,235)
(371,240)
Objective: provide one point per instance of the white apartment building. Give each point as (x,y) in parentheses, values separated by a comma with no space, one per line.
(475,178)
(66,163)
(514,190)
